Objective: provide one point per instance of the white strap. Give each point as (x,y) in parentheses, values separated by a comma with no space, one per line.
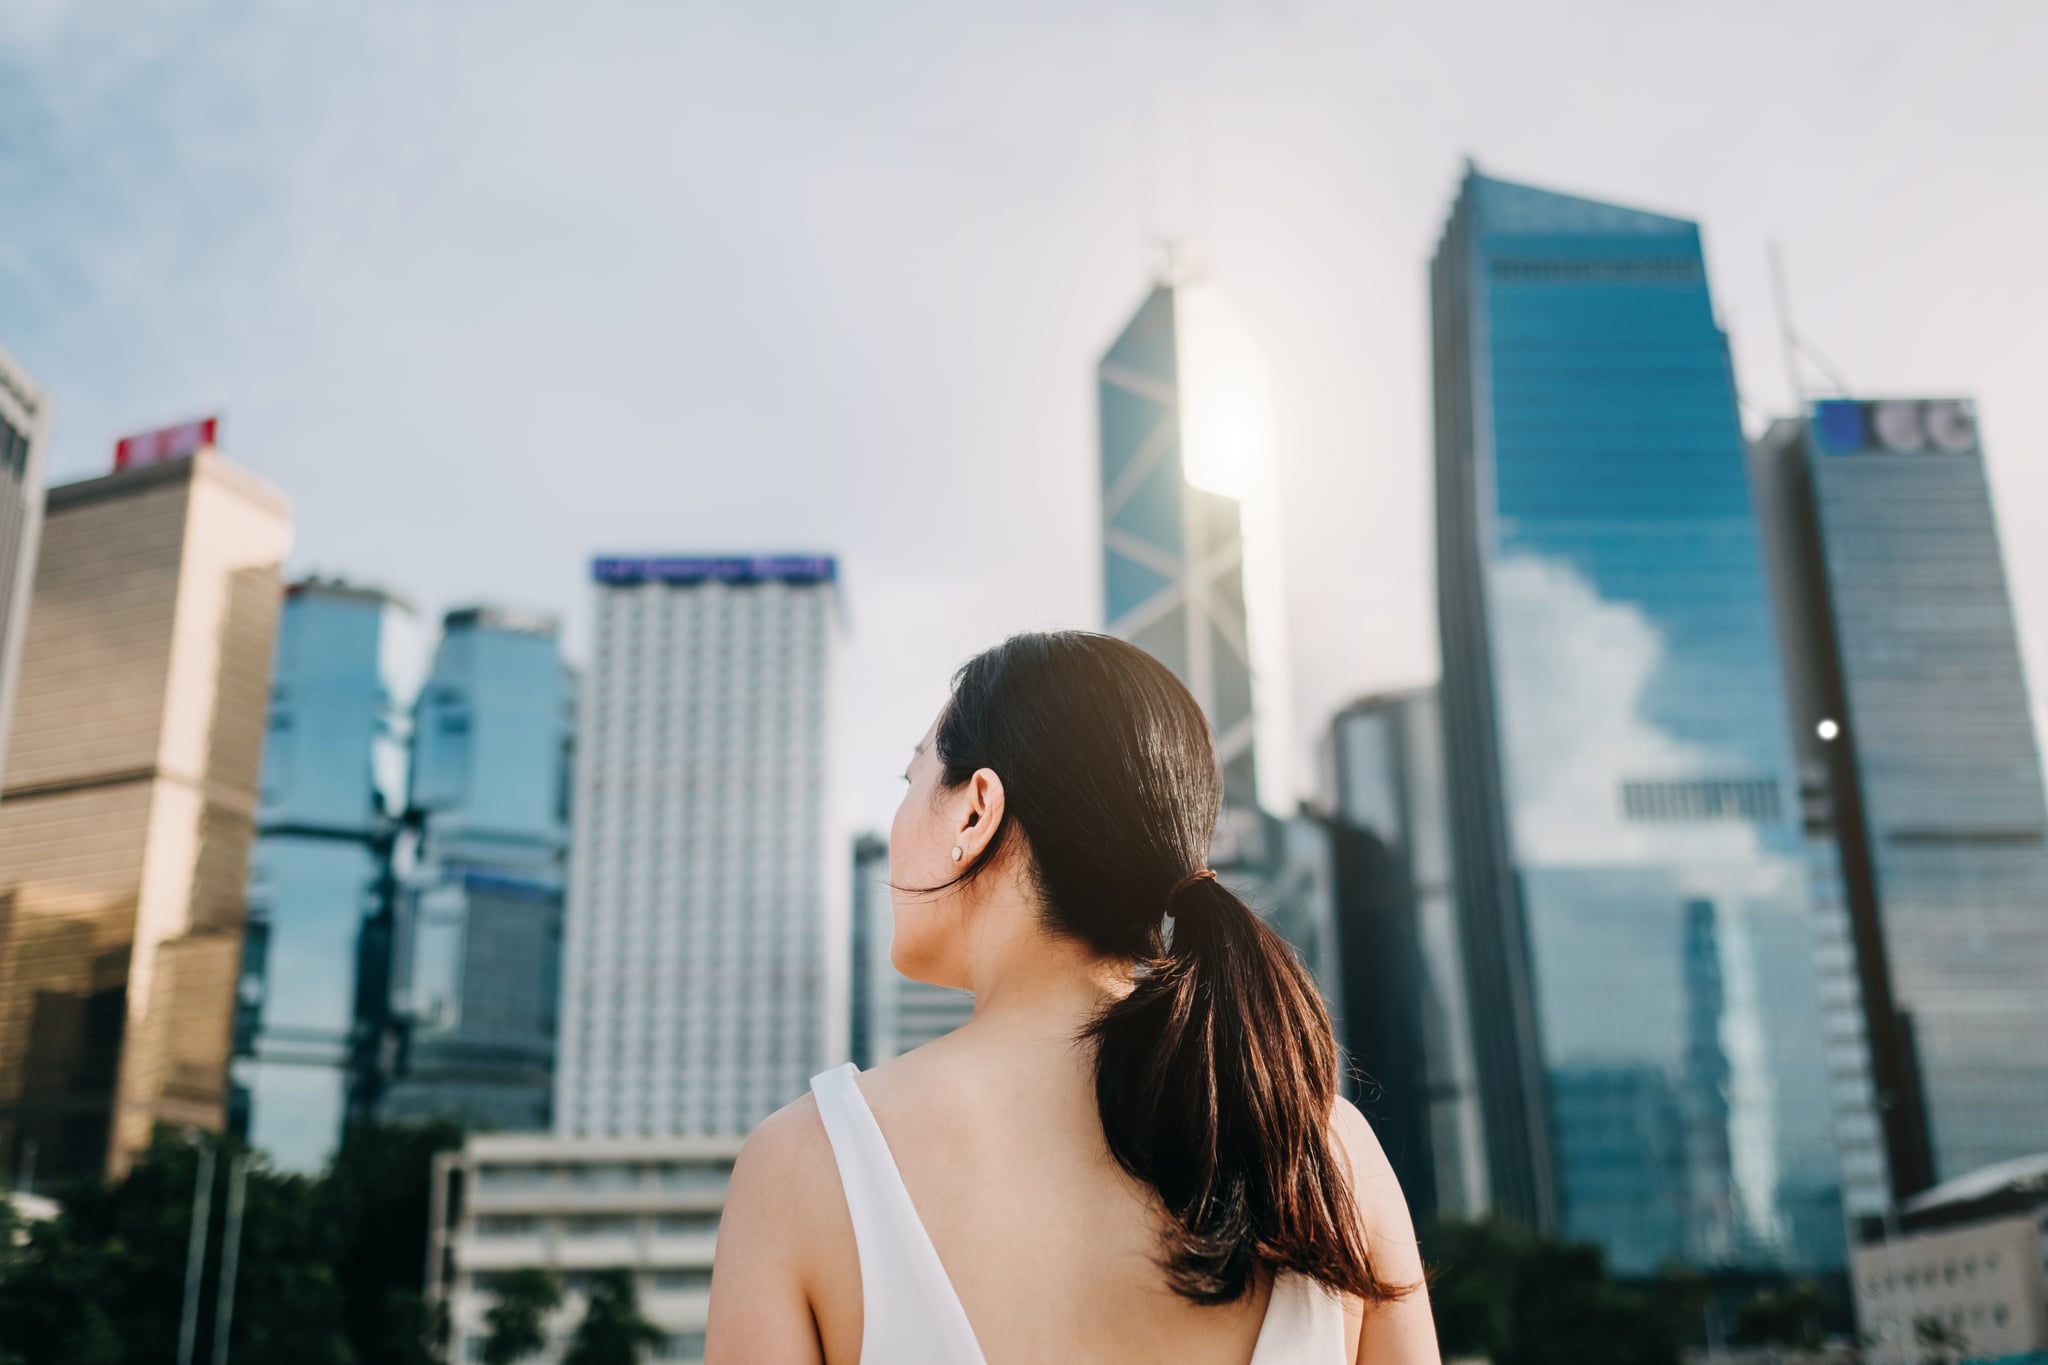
(910,1312)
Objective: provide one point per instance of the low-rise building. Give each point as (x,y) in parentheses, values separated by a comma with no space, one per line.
(575,1206)
(1964,1268)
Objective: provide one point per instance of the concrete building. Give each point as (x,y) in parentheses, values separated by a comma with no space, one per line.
(130,812)
(479,959)
(1909,707)
(24,427)
(573,1206)
(705,977)
(1967,1261)
(320,881)
(891,1013)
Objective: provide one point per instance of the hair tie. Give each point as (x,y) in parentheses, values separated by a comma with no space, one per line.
(1206,874)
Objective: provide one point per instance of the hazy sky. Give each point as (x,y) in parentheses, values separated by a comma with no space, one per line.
(489,287)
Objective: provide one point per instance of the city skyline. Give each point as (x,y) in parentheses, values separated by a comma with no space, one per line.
(941,374)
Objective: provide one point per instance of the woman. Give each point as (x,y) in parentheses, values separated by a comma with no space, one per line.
(1135,1149)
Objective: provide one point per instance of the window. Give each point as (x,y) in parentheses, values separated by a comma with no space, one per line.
(686,1224)
(506,1225)
(602,1226)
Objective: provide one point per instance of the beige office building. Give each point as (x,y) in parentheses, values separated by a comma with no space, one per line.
(127,819)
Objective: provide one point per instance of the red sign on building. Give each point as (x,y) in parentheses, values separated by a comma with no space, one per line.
(166,443)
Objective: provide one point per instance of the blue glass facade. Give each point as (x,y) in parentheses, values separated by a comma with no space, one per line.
(1633,881)
(332,788)
(1901,650)
(1174,553)
(479,961)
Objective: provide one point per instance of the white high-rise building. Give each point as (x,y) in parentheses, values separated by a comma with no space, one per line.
(704,977)
(24,420)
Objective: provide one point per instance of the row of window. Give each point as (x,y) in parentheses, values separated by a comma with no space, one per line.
(687,1280)
(662,1175)
(584,1226)
(1915,1276)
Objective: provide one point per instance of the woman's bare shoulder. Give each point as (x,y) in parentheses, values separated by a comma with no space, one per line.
(785,1163)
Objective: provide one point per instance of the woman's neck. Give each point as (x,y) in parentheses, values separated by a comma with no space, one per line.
(1027,981)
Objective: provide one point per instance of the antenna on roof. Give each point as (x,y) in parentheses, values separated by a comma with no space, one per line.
(1789,339)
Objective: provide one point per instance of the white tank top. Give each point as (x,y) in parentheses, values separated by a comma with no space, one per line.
(910,1314)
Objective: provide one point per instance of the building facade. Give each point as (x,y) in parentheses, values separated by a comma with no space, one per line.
(1633,882)
(481,933)
(24,427)
(1969,1257)
(1909,697)
(704,977)
(574,1206)
(1190,543)
(1404,1014)
(320,881)
(891,1013)
(132,794)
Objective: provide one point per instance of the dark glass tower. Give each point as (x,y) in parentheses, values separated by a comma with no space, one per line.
(1908,696)
(1633,882)
(1403,1013)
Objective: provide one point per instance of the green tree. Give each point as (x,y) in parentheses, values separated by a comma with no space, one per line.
(1517,1299)
(612,1331)
(379,1191)
(331,1269)
(1791,1316)
(1940,1343)
(516,1321)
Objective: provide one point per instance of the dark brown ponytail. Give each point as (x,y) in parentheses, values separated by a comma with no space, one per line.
(1216,1076)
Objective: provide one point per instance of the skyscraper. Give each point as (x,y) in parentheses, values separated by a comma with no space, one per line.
(1404,1013)
(132,790)
(704,979)
(1908,696)
(1632,879)
(1190,544)
(891,1013)
(24,418)
(480,946)
(332,791)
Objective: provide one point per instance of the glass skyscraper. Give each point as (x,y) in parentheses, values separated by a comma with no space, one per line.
(480,936)
(1404,1013)
(1632,878)
(1908,696)
(320,879)
(1190,546)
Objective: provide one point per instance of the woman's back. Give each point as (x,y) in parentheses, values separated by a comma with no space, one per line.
(1135,1150)
(1050,1248)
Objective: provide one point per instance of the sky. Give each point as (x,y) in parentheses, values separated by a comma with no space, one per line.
(491,288)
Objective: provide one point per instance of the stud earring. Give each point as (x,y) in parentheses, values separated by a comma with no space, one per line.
(958,853)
